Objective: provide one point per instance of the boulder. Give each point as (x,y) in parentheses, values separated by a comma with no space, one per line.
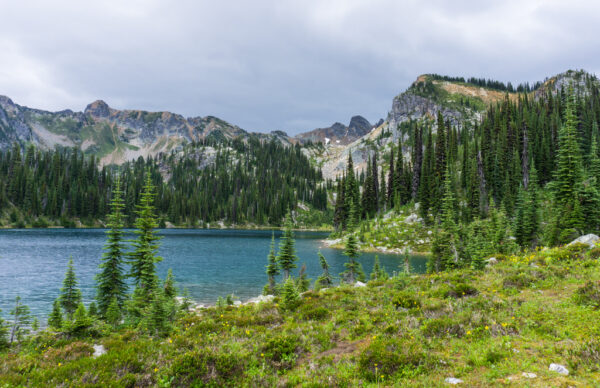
(98,350)
(588,239)
(559,369)
(359,284)
(491,261)
(452,380)
(529,375)
(411,218)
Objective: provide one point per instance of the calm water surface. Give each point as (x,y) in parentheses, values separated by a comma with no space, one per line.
(209,263)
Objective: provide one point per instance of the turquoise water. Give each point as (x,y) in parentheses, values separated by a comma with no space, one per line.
(209,263)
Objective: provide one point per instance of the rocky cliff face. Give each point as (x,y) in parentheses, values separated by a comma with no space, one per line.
(114,135)
(338,133)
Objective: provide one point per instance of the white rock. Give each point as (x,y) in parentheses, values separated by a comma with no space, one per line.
(237,303)
(491,261)
(559,369)
(452,380)
(98,350)
(411,219)
(529,375)
(359,284)
(589,239)
(261,298)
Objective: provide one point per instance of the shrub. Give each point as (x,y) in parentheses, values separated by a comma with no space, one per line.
(442,327)
(587,354)
(518,280)
(206,367)
(392,357)
(282,350)
(589,294)
(315,313)
(406,300)
(460,290)
(576,251)
(594,253)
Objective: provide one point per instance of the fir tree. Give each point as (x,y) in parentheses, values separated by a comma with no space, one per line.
(324,280)
(351,250)
(110,281)
(113,313)
(21,319)
(169,286)
(70,295)
(3,334)
(378,272)
(81,321)
(303,282)
(286,258)
(55,318)
(144,257)
(272,267)
(290,296)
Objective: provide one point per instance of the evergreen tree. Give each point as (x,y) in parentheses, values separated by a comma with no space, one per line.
(3,334)
(290,296)
(352,251)
(70,295)
(568,176)
(110,281)
(303,282)
(21,319)
(325,280)
(286,258)
(144,257)
(55,318)
(378,272)
(113,313)
(81,321)
(272,267)
(169,286)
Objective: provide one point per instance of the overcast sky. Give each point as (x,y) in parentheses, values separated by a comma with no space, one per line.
(279,65)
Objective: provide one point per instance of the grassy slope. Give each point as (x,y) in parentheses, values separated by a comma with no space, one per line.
(517,316)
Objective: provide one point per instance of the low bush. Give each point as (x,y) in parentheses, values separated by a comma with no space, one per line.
(518,280)
(406,300)
(206,367)
(387,358)
(442,327)
(461,290)
(282,350)
(589,294)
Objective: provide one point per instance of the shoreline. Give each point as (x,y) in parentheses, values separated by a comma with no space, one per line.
(337,244)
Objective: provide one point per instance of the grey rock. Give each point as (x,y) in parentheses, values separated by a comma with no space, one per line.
(529,375)
(559,369)
(359,284)
(588,239)
(98,350)
(452,380)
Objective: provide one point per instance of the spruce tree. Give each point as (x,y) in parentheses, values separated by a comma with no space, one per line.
(378,272)
(55,318)
(272,267)
(290,296)
(324,280)
(110,281)
(20,321)
(568,177)
(113,313)
(169,286)
(70,295)
(144,256)
(351,250)
(287,252)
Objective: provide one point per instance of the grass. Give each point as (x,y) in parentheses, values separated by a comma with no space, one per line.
(484,327)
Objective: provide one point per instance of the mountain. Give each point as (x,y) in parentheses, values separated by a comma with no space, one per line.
(113,135)
(338,133)
(461,101)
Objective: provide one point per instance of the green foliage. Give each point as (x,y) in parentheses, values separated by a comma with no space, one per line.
(21,319)
(70,295)
(201,367)
(290,297)
(353,268)
(111,280)
(3,334)
(405,300)
(286,258)
(55,320)
(442,327)
(144,256)
(589,294)
(272,267)
(282,350)
(80,323)
(393,358)
(169,289)
(324,280)
(378,272)
(113,313)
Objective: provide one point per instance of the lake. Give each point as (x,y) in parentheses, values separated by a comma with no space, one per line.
(208,262)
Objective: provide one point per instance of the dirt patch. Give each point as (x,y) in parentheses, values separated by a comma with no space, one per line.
(486,95)
(342,349)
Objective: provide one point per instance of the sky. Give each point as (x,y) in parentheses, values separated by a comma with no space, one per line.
(279,65)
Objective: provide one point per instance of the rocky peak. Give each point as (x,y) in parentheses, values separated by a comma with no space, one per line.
(359,126)
(4,101)
(98,108)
